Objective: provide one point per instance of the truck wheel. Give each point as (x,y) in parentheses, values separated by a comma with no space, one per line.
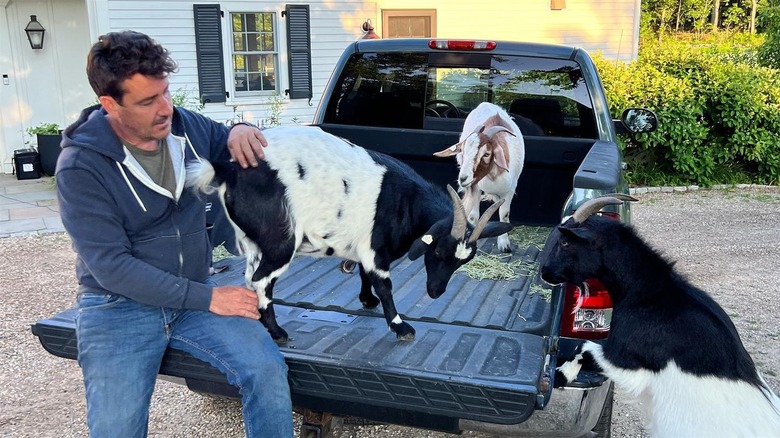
(603,428)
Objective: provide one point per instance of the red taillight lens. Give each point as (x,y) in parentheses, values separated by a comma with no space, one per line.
(461,45)
(610,215)
(589,317)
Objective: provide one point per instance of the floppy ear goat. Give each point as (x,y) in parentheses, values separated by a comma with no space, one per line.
(490,153)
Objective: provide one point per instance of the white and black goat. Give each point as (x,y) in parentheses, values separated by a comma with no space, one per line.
(671,346)
(317,194)
(491,153)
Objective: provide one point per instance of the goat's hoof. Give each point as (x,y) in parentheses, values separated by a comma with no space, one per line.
(407,337)
(370,303)
(280,336)
(403,331)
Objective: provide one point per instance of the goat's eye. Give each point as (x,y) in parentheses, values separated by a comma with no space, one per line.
(564,243)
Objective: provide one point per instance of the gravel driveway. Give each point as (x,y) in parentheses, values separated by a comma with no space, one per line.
(727,242)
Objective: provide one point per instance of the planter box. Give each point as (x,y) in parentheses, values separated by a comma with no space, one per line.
(49,150)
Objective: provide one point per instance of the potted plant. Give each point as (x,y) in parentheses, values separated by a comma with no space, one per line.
(49,136)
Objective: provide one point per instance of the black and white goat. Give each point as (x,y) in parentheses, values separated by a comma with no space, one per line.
(317,194)
(671,346)
(491,154)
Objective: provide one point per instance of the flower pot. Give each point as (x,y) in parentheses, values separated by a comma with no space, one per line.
(49,150)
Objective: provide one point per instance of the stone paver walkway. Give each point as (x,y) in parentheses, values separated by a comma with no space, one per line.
(28,206)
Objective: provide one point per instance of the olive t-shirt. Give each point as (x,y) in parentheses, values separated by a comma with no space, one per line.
(157,164)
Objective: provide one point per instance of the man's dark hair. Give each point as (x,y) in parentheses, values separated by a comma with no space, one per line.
(119,55)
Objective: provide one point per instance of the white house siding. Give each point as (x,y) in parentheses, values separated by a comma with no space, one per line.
(607,26)
(334,25)
(47,85)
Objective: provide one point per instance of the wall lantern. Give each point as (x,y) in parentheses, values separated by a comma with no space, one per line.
(368,28)
(35,32)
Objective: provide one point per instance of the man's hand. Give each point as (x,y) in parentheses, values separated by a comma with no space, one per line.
(245,144)
(234,301)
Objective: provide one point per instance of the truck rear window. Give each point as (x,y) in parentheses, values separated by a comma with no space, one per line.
(436,91)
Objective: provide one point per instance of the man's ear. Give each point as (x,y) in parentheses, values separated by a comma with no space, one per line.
(108,103)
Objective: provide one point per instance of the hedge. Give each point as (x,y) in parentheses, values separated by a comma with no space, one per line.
(718,111)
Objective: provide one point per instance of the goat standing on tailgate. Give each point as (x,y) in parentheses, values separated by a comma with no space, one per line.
(491,153)
(317,194)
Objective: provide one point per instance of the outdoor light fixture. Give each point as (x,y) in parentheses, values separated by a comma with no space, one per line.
(35,32)
(368,28)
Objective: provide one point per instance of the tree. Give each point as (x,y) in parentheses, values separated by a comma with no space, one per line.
(753,9)
(715,15)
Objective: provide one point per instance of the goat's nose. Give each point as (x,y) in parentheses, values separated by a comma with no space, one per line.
(463,179)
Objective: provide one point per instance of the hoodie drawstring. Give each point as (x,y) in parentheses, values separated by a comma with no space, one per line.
(192,148)
(127,180)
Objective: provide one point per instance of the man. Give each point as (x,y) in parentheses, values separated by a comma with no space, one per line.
(143,250)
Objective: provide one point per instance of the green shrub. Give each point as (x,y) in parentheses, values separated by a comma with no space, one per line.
(44,128)
(717,111)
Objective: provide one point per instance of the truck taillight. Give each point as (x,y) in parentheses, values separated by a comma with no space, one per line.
(586,316)
(461,45)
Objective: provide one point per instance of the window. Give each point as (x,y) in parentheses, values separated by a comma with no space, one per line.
(254,53)
(413,23)
(380,89)
(437,91)
(252,58)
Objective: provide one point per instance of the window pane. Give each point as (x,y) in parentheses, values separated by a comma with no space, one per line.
(269,72)
(550,93)
(409,27)
(253,63)
(385,89)
(238,24)
(267,41)
(241,82)
(238,42)
(268,23)
(239,63)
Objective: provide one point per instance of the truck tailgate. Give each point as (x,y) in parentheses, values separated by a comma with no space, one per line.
(477,355)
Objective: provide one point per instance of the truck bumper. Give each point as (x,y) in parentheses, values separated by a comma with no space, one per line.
(571,412)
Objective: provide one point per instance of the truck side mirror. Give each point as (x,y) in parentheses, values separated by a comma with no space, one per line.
(637,120)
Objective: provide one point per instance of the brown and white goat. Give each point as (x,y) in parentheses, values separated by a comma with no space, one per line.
(491,153)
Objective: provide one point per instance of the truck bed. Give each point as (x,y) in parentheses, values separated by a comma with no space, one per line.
(477,353)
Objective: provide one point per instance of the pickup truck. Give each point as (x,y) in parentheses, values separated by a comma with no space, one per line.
(485,353)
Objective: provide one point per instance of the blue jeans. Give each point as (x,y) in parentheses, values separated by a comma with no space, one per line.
(121,345)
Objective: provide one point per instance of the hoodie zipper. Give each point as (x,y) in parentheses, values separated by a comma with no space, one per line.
(179,240)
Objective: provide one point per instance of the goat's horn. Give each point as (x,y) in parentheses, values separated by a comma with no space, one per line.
(483,220)
(478,129)
(594,205)
(493,130)
(459,215)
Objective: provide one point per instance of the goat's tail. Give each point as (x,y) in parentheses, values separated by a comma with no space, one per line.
(200,174)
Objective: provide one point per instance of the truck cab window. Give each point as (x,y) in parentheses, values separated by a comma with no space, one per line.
(384,90)
(437,91)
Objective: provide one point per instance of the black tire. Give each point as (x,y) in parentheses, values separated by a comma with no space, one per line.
(603,428)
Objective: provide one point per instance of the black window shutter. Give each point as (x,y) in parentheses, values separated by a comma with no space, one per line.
(208,45)
(299,51)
